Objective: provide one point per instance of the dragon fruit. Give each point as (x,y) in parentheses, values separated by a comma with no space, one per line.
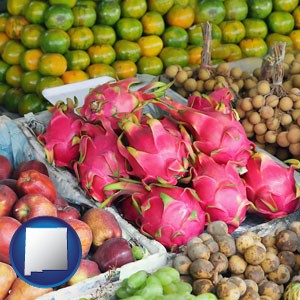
(116,100)
(100,162)
(271,186)
(62,136)
(217,134)
(221,191)
(155,149)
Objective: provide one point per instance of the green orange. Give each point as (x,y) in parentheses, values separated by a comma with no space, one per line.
(29,81)
(3,19)
(81,38)
(3,39)
(12,98)
(209,10)
(285,5)
(3,89)
(69,3)
(97,70)
(16,7)
(151,45)
(13,75)
(30,102)
(52,64)
(233,31)
(104,34)
(108,12)
(30,36)
(295,37)
(150,65)
(281,22)
(174,56)
(48,82)
(133,8)
(3,68)
(256,47)
(34,11)
(296,15)
(153,23)
(55,41)
(127,50)
(195,34)
(14,26)
(124,69)
(161,6)
(102,54)
(11,52)
(84,15)
(72,76)
(255,28)
(277,37)
(236,9)
(29,59)
(77,59)
(180,15)
(259,9)
(59,16)
(129,29)
(235,53)
(175,36)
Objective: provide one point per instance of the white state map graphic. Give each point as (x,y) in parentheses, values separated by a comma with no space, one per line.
(45,249)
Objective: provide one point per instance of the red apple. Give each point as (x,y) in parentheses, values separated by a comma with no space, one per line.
(113,253)
(8,227)
(86,269)
(60,202)
(31,206)
(22,290)
(67,212)
(7,277)
(84,233)
(34,182)
(30,165)
(6,167)
(7,199)
(12,183)
(103,223)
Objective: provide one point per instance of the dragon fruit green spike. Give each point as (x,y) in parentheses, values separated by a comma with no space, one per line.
(171,215)
(155,150)
(62,136)
(221,191)
(116,100)
(100,162)
(217,134)
(271,186)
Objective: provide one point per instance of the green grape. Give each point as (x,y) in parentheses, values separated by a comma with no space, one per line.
(166,275)
(150,291)
(206,296)
(173,297)
(170,288)
(138,252)
(121,293)
(137,279)
(135,298)
(152,280)
(184,288)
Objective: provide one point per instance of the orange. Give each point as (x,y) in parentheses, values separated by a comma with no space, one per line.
(153,23)
(129,29)
(84,15)
(181,16)
(151,45)
(127,50)
(16,7)
(77,59)
(296,15)
(3,39)
(97,70)
(58,16)
(151,65)
(104,34)
(194,53)
(74,76)
(175,36)
(108,12)
(29,81)
(235,52)
(102,54)
(81,38)
(253,47)
(52,64)
(48,82)
(34,11)
(133,8)
(220,51)
(14,26)
(295,36)
(29,59)
(174,56)
(11,52)
(69,3)
(3,20)
(13,75)
(30,36)
(125,69)
(233,31)
(161,6)
(55,41)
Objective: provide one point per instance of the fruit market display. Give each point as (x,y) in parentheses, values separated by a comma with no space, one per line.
(199,151)
(216,265)
(50,43)
(27,192)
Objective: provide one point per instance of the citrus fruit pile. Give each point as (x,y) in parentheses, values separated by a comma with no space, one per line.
(55,42)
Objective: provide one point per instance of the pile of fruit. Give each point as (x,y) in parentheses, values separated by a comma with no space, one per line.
(27,192)
(50,43)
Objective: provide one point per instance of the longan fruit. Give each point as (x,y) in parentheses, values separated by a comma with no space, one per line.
(266,112)
(182,92)
(294,149)
(196,93)
(260,128)
(236,72)
(248,127)
(296,104)
(189,71)
(271,136)
(272,123)
(203,74)
(246,104)
(286,119)
(257,72)
(295,113)
(272,100)
(287,85)
(245,75)
(181,77)
(235,87)
(223,68)
(289,57)
(200,86)
(249,83)
(240,112)
(295,67)
(296,80)
(209,85)
(286,103)
(260,138)
(172,70)
(298,120)
(282,140)
(190,85)
(252,92)
(294,94)
(254,117)
(263,87)
(258,101)
(294,135)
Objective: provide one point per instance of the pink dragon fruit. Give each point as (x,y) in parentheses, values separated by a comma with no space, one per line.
(217,134)
(100,162)
(156,150)
(62,136)
(116,100)
(271,186)
(171,215)
(221,191)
